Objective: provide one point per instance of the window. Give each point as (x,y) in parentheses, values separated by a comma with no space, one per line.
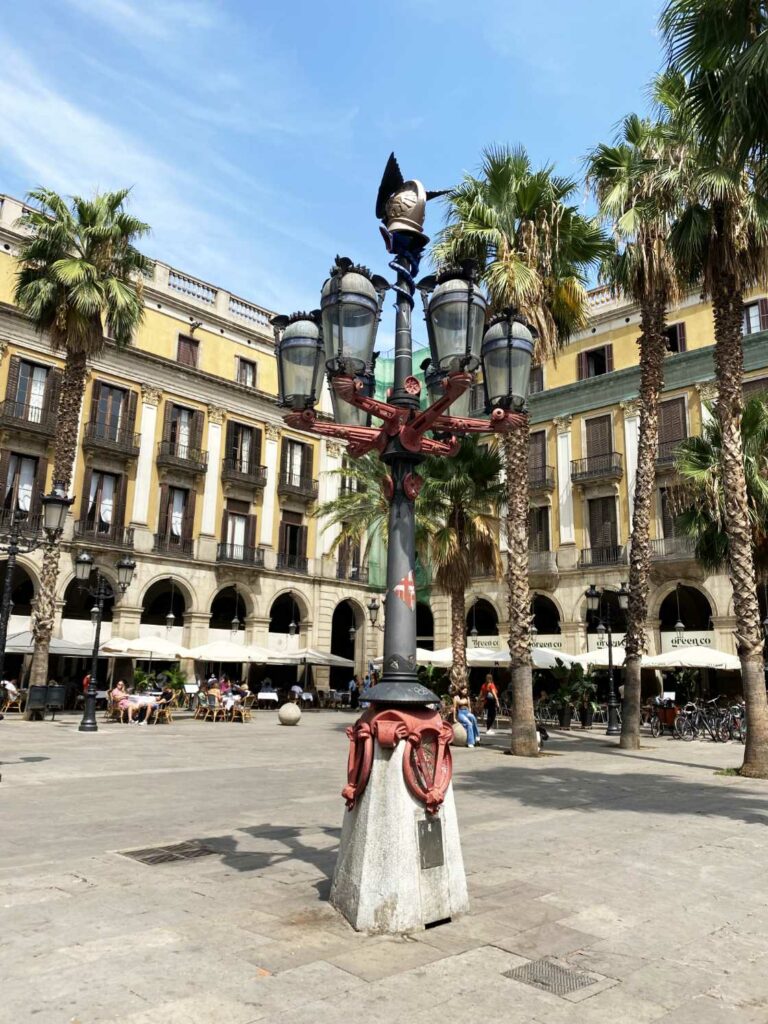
(107,409)
(672,426)
(538,528)
(187,351)
(243,447)
(599,436)
(349,558)
(292,544)
(667,514)
(754,317)
(246,372)
(675,335)
(238,533)
(537,452)
(537,380)
(30,390)
(595,362)
(176,519)
(603,532)
(181,430)
(294,461)
(19,483)
(102,495)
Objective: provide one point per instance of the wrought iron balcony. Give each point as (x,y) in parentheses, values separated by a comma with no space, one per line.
(354,573)
(29,525)
(113,536)
(542,561)
(673,549)
(37,420)
(596,468)
(239,554)
(541,478)
(107,437)
(614,555)
(244,471)
(294,485)
(292,563)
(666,454)
(168,544)
(182,456)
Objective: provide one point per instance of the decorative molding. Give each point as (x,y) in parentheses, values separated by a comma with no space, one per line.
(562,423)
(216,414)
(151,395)
(334,449)
(4,343)
(273,432)
(707,391)
(631,407)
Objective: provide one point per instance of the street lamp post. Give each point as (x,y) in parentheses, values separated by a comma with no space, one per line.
(100,592)
(594,603)
(18,541)
(400,762)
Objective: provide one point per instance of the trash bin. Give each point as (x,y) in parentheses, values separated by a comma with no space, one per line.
(46,698)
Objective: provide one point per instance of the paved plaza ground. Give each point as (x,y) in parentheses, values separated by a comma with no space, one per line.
(644,872)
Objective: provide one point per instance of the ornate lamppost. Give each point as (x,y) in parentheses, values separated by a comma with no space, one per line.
(23,536)
(594,603)
(400,864)
(100,592)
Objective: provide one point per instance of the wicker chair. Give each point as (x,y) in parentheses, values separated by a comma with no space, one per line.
(243,710)
(214,709)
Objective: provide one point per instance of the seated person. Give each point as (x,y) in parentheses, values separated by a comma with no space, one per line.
(297,691)
(267,687)
(119,697)
(165,698)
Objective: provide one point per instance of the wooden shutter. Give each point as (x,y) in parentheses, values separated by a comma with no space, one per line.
(118,513)
(609,358)
(167,420)
(197,430)
(672,421)
(602,522)
(282,540)
(188,526)
(162,519)
(5,459)
(303,530)
(256,446)
(284,459)
(87,477)
(53,390)
(229,450)
(95,397)
(763,307)
(756,386)
(250,532)
(224,526)
(12,388)
(667,516)
(681,342)
(130,412)
(582,369)
(306,462)
(598,432)
(187,351)
(537,450)
(38,488)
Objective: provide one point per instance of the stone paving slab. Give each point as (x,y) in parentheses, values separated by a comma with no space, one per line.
(644,870)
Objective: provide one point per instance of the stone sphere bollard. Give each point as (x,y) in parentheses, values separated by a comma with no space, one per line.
(289,714)
(459,735)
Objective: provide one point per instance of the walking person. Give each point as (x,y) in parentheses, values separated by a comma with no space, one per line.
(489,695)
(463,714)
(354,693)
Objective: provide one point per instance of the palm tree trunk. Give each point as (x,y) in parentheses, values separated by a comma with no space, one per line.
(727,302)
(652,352)
(522,723)
(458,638)
(65,452)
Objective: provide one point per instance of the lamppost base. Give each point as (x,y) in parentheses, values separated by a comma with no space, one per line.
(614,727)
(399,868)
(88,727)
(397,693)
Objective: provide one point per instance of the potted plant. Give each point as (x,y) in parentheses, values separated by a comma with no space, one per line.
(564,697)
(584,688)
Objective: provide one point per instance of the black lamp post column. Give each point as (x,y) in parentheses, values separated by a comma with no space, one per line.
(101,592)
(614,726)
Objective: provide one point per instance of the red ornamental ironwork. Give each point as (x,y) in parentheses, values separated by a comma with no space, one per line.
(427,763)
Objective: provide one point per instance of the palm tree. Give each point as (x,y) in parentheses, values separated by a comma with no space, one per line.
(534,249)
(720,243)
(701,505)
(79,271)
(458,508)
(625,182)
(456,521)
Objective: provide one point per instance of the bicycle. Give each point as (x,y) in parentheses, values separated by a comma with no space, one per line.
(694,721)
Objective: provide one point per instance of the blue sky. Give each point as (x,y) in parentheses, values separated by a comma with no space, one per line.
(255,133)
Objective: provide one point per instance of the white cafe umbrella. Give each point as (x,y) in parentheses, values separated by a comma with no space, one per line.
(23,643)
(228,651)
(599,658)
(694,657)
(309,656)
(146,647)
(543,657)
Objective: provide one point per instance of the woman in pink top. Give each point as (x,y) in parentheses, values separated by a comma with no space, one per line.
(120,696)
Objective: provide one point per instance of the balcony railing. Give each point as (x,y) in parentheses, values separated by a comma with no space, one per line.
(597,467)
(667,453)
(240,555)
(168,544)
(292,563)
(113,536)
(542,561)
(244,471)
(29,524)
(541,478)
(34,419)
(294,485)
(110,438)
(614,555)
(354,573)
(181,456)
(673,548)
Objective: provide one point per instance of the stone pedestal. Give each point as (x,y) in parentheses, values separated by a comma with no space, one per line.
(399,868)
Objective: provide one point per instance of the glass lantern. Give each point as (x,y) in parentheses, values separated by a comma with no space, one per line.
(507,353)
(299,345)
(455,317)
(351,302)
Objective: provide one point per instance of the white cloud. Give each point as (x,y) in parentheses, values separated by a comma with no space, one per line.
(157,19)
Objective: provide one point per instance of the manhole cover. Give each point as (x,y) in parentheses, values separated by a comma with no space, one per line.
(165,854)
(550,977)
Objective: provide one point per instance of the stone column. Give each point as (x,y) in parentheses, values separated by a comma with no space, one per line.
(631,434)
(564,486)
(215,420)
(126,619)
(269,502)
(150,399)
(196,628)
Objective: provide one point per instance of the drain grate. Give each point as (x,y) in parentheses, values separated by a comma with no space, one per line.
(166,854)
(550,977)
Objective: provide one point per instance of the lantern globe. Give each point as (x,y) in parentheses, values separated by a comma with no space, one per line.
(299,360)
(350,302)
(507,353)
(455,321)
